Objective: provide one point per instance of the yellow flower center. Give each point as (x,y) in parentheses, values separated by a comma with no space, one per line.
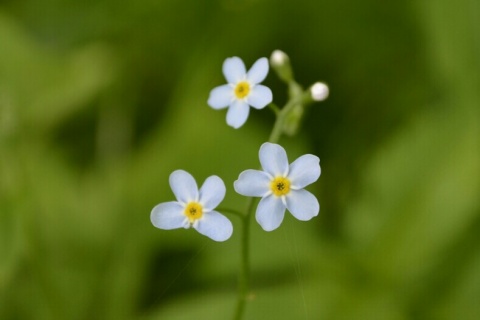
(193,211)
(242,89)
(280,186)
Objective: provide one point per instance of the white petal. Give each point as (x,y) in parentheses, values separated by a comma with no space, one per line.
(220,97)
(168,215)
(260,96)
(237,113)
(215,226)
(304,171)
(252,183)
(183,186)
(234,69)
(270,212)
(273,159)
(212,193)
(302,204)
(258,72)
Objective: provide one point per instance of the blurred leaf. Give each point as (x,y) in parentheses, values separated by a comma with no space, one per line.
(44,86)
(421,190)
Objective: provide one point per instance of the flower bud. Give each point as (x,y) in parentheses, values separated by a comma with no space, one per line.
(278,57)
(281,64)
(319,91)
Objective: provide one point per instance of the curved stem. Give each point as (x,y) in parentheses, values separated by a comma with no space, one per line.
(274,108)
(281,116)
(232,211)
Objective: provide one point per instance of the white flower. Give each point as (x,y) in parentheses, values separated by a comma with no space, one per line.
(243,90)
(281,186)
(319,91)
(194,208)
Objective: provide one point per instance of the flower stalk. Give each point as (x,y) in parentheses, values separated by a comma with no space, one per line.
(244,277)
(279,184)
(298,97)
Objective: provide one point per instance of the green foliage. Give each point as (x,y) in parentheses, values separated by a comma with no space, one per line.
(101,100)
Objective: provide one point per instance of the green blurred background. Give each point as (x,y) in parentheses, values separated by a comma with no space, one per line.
(101,100)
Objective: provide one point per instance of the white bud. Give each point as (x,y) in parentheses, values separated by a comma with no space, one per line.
(319,91)
(278,58)
(281,64)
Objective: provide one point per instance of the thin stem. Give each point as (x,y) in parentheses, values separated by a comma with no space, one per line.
(282,114)
(232,211)
(277,129)
(274,108)
(244,278)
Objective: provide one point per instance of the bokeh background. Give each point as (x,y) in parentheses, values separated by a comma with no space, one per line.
(101,100)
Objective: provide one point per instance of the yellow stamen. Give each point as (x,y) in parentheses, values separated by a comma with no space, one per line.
(242,89)
(280,186)
(193,211)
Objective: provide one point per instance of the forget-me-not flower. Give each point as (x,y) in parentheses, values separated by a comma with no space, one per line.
(281,186)
(242,91)
(194,208)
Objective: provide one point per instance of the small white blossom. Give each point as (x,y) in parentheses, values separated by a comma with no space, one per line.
(319,91)
(243,90)
(194,208)
(281,186)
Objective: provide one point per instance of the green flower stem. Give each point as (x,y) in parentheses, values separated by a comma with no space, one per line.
(244,278)
(232,211)
(274,108)
(282,115)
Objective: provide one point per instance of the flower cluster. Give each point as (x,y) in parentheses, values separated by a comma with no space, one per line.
(280,184)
